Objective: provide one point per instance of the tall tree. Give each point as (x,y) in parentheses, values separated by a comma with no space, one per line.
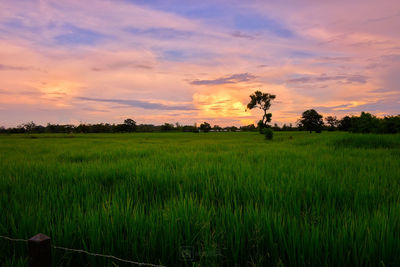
(311,121)
(262,101)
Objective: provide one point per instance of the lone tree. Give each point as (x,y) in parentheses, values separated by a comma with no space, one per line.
(205,127)
(332,122)
(262,101)
(311,121)
(129,125)
(29,127)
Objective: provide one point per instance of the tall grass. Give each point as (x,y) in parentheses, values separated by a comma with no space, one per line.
(235,198)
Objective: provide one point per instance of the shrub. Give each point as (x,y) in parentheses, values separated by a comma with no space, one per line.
(268,133)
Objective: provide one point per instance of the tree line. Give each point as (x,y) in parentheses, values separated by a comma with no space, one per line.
(128,126)
(311,120)
(365,123)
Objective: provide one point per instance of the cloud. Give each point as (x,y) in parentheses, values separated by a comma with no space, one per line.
(235,78)
(393,58)
(123,65)
(384,90)
(301,54)
(390,105)
(160,33)
(326,78)
(140,104)
(240,34)
(333,59)
(15,68)
(380,19)
(332,109)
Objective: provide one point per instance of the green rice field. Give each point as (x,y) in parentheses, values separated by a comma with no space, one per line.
(229,198)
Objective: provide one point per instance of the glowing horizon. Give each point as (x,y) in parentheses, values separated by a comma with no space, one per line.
(187,61)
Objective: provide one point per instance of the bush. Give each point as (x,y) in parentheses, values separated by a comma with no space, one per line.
(268,133)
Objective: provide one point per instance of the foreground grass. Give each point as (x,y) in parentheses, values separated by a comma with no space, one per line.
(237,199)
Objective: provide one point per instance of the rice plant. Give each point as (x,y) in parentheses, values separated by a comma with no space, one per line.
(233,199)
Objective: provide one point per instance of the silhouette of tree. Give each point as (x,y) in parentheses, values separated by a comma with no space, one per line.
(29,127)
(217,128)
(345,124)
(129,125)
(332,122)
(262,101)
(311,121)
(167,127)
(205,127)
(366,123)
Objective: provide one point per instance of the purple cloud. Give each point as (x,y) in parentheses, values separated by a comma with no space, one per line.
(140,104)
(15,68)
(235,78)
(240,34)
(324,78)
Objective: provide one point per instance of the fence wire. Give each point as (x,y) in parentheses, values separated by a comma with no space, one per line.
(88,253)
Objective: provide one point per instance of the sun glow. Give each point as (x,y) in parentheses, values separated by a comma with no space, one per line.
(220,105)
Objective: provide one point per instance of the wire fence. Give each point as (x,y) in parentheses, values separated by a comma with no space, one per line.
(87,253)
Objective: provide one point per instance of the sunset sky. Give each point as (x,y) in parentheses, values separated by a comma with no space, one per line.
(192,61)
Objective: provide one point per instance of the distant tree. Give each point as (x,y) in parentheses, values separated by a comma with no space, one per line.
(205,127)
(288,127)
(390,124)
(365,123)
(167,127)
(146,128)
(276,127)
(332,122)
(345,124)
(29,127)
(129,125)
(217,128)
(178,127)
(311,121)
(262,101)
(248,128)
(230,129)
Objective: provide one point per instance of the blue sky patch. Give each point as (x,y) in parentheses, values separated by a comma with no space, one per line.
(258,23)
(78,36)
(160,33)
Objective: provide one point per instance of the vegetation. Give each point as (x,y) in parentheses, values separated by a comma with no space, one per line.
(262,101)
(332,122)
(311,121)
(268,133)
(365,123)
(205,127)
(302,200)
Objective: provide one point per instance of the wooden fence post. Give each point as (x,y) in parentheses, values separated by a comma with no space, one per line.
(39,249)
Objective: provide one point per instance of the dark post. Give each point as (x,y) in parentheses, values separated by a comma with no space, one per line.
(39,248)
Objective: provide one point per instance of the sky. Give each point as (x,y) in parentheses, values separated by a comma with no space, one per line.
(73,61)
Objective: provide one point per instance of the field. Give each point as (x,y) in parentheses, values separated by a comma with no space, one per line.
(329,199)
